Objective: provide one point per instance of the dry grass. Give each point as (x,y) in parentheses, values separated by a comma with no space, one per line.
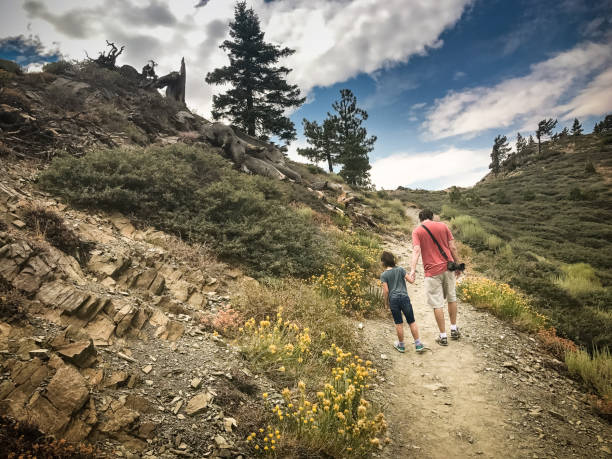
(595,370)
(578,279)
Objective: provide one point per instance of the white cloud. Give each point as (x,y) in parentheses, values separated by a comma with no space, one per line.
(334,39)
(453,166)
(536,95)
(595,99)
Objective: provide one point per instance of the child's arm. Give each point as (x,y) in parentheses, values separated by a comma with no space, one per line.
(385,288)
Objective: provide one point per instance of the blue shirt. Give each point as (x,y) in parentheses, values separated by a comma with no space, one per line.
(395,279)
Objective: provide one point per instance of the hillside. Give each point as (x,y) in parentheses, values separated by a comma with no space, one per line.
(539,226)
(172,287)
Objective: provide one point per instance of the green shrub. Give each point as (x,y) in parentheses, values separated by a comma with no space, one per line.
(196,194)
(10,66)
(455,195)
(59,67)
(528,195)
(501,197)
(589,167)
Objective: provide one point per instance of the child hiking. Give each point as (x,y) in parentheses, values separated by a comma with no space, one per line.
(397,300)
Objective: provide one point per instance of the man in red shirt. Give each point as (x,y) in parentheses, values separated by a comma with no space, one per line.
(439,282)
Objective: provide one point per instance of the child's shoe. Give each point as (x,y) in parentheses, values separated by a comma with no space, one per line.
(399,348)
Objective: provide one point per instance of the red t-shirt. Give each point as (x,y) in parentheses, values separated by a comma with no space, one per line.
(433,261)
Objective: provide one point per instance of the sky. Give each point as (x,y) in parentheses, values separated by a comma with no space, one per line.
(439,79)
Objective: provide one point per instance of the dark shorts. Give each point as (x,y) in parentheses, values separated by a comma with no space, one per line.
(401,304)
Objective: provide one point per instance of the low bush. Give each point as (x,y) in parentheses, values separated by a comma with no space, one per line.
(14,98)
(338,421)
(554,344)
(501,300)
(595,369)
(350,285)
(449,212)
(59,67)
(195,194)
(578,279)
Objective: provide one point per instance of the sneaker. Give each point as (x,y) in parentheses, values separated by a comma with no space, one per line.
(420,348)
(442,341)
(455,334)
(399,348)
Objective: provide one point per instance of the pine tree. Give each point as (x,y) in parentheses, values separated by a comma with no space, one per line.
(531,142)
(353,143)
(521,144)
(564,133)
(597,128)
(322,139)
(576,128)
(259,93)
(545,128)
(498,153)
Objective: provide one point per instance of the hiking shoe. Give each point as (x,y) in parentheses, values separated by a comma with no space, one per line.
(420,348)
(455,334)
(399,348)
(442,341)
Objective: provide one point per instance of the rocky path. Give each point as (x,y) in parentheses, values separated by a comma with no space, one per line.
(494,393)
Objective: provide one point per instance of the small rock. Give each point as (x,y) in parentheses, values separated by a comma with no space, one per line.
(198,403)
(228,423)
(146,370)
(383,356)
(360,325)
(222,442)
(148,382)
(196,383)
(126,357)
(19,224)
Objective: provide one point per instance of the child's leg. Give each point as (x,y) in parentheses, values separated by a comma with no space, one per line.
(409,313)
(399,328)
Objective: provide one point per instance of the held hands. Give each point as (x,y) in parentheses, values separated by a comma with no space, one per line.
(411,277)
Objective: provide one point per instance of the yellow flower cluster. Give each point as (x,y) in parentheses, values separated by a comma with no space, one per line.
(349,283)
(276,344)
(265,441)
(339,415)
(502,300)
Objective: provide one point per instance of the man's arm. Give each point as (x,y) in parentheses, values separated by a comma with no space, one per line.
(453,249)
(385,288)
(416,253)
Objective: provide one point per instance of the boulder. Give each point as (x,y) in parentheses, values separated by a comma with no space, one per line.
(12,257)
(67,390)
(123,224)
(46,416)
(83,354)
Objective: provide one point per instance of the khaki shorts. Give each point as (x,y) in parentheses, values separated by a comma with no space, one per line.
(440,289)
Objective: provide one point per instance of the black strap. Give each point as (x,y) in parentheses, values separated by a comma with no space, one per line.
(434,239)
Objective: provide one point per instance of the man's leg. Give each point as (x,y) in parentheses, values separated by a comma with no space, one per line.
(439,314)
(452,313)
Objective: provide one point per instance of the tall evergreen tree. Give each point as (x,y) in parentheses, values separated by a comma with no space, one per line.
(259,93)
(564,133)
(545,128)
(352,139)
(498,153)
(322,141)
(576,128)
(521,144)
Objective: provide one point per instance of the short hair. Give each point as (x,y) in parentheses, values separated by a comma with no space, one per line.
(388,259)
(425,214)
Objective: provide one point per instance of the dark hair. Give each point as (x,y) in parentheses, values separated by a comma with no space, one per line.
(425,214)
(388,259)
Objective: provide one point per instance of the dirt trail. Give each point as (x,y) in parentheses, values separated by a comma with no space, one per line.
(491,394)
